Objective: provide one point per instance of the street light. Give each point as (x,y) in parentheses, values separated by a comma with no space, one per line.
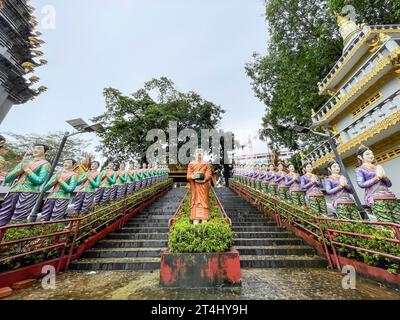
(82,127)
(332,144)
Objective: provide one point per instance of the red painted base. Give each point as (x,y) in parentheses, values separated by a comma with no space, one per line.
(200,270)
(370,272)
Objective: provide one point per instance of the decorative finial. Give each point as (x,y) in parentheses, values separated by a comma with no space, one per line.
(348,28)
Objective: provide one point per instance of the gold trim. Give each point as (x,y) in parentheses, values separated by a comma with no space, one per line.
(371,100)
(388,155)
(352,53)
(377,128)
(381,65)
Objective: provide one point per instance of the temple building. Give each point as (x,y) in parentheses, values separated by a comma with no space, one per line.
(19,54)
(364,86)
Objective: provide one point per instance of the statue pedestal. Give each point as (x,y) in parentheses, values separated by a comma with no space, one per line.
(200,270)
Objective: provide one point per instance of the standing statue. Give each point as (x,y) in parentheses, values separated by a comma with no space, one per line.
(88,183)
(131,179)
(264,183)
(272,186)
(338,188)
(279,179)
(373,179)
(254,177)
(296,193)
(30,175)
(144,176)
(120,182)
(314,196)
(107,177)
(260,178)
(199,177)
(63,185)
(3,152)
(139,177)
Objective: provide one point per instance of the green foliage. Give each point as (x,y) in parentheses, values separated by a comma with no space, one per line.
(29,245)
(213,236)
(376,243)
(304,45)
(129,118)
(21,144)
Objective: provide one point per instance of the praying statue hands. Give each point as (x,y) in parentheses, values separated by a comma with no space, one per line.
(25,163)
(380,172)
(343,181)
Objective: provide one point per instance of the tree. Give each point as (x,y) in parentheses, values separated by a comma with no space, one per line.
(128,118)
(304,45)
(20,144)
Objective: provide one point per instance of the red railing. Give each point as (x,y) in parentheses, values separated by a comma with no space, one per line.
(174,218)
(65,236)
(324,230)
(222,208)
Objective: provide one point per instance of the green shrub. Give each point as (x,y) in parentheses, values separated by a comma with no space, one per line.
(214,235)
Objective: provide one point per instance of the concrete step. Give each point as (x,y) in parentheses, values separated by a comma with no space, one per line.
(275,250)
(267,242)
(128,243)
(263,235)
(117,264)
(143,229)
(138,236)
(285,261)
(257,228)
(123,252)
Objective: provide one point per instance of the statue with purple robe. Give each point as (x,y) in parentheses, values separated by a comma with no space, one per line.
(27,177)
(279,179)
(138,182)
(340,193)
(296,193)
(87,183)
(131,179)
(62,185)
(373,179)
(314,195)
(270,178)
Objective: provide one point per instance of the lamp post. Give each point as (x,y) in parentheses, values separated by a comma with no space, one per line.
(339,160)
(81,127)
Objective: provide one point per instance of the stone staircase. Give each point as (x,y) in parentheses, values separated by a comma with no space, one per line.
(139,243)
(261,242)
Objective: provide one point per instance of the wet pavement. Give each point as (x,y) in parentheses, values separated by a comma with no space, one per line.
(264,284)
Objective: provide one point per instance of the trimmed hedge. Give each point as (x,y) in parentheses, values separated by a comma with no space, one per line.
(212,236)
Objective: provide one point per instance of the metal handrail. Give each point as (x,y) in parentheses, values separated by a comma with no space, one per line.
(322,224)
(62,238)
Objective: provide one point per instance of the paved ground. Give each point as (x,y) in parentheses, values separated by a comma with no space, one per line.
(269,284)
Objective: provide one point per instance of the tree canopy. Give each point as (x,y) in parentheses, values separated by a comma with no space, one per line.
(21,144)
(304,45)
(128,118)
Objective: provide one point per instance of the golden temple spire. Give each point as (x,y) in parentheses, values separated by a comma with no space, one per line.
(347,28)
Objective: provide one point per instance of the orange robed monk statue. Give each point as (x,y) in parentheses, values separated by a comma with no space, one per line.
(199,177)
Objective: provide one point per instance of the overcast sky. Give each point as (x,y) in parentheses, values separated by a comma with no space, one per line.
(202,45)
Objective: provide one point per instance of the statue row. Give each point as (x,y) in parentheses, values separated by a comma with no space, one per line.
(91,187)
(307,190)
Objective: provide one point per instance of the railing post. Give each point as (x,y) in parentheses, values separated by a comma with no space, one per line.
(71,250)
